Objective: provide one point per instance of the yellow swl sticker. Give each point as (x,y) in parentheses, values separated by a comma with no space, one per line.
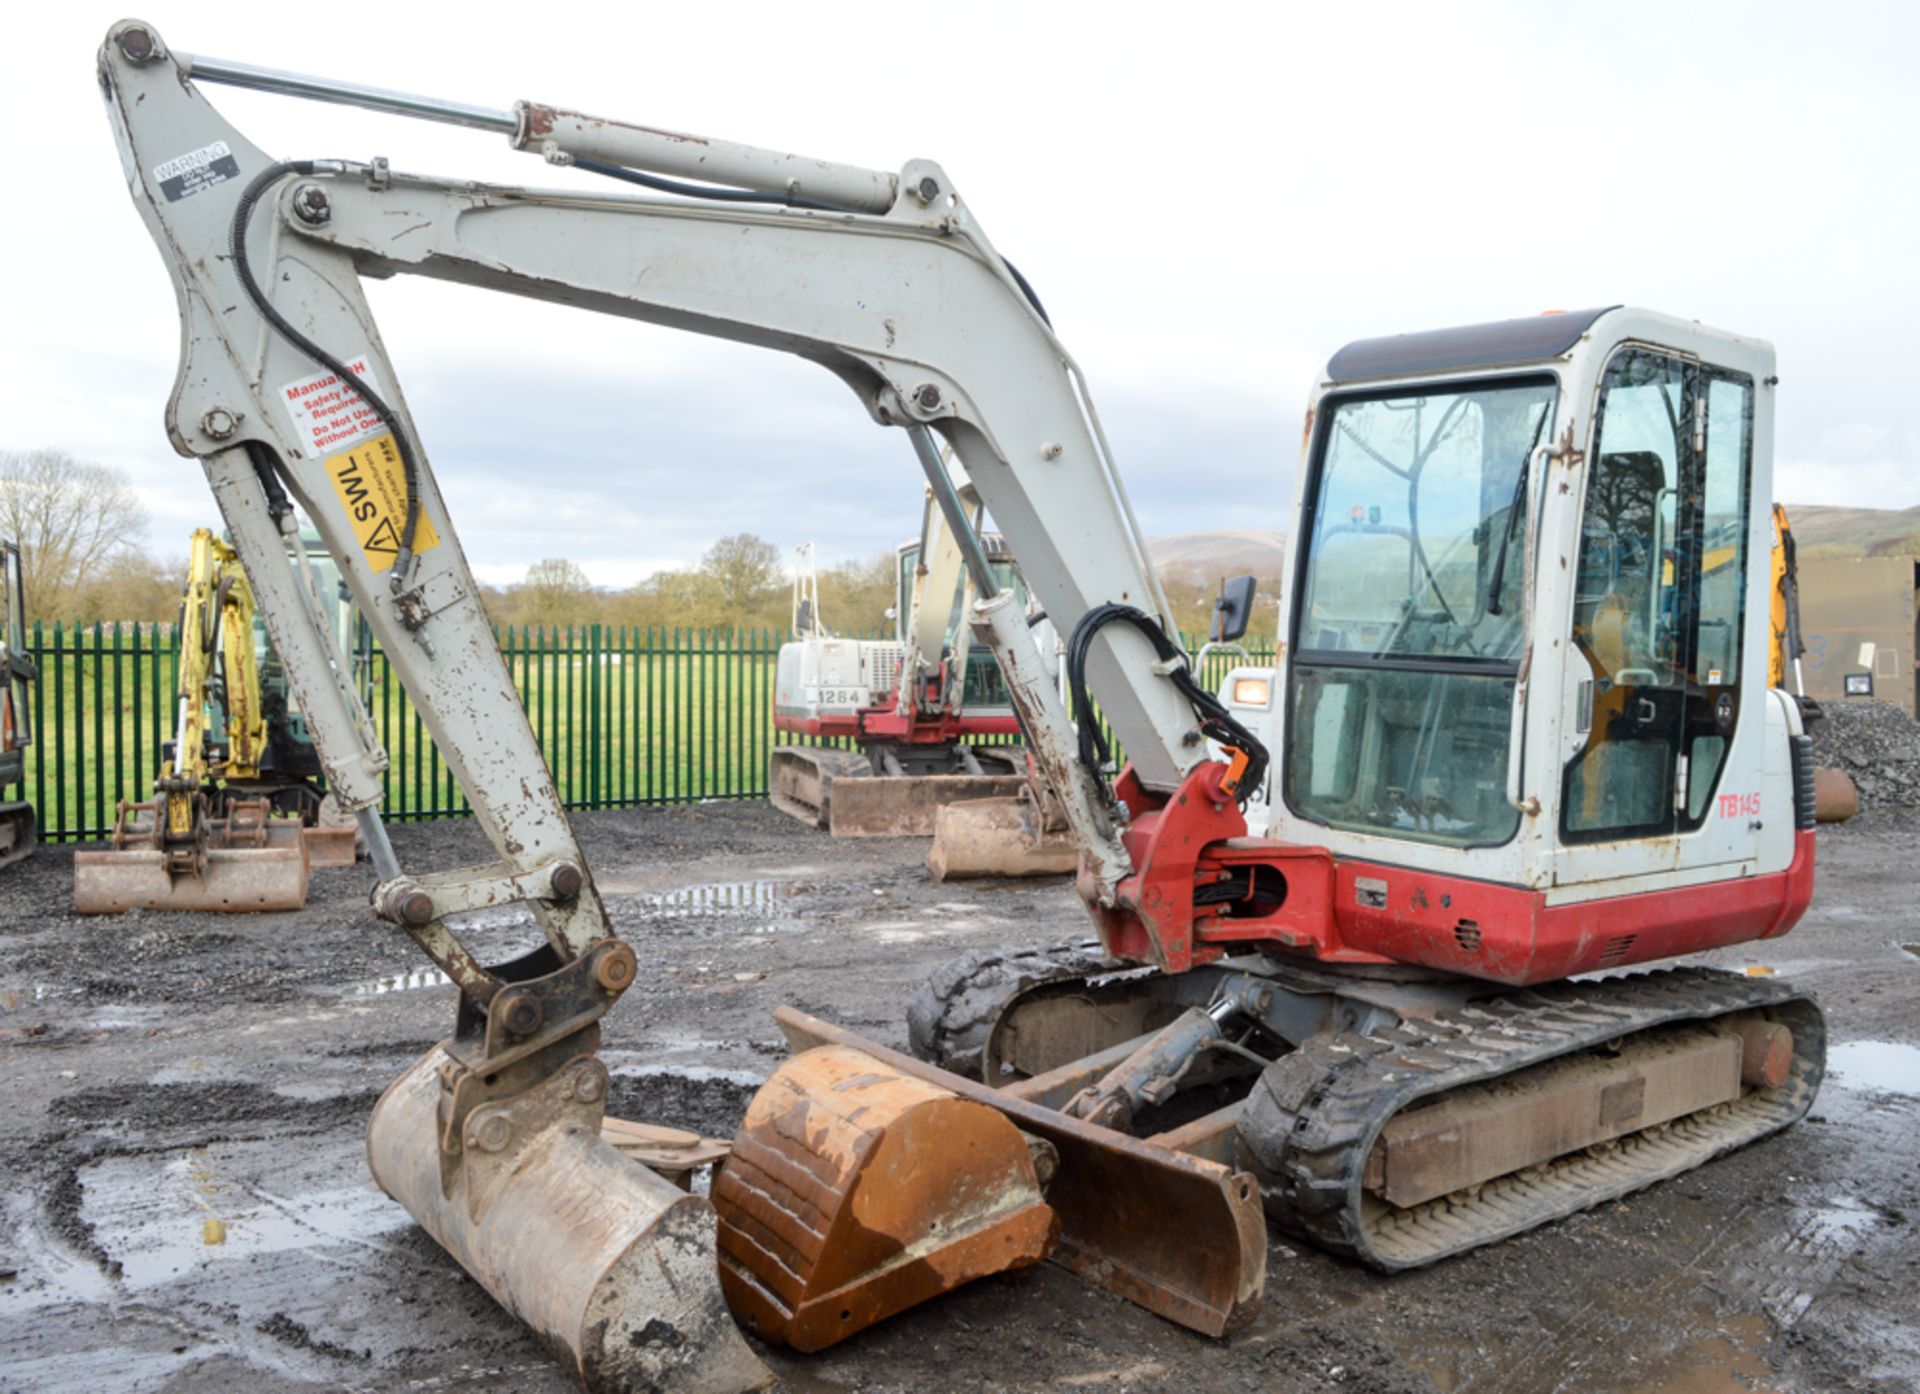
(372,484)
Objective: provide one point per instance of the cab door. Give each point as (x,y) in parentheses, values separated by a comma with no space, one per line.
(1659,605)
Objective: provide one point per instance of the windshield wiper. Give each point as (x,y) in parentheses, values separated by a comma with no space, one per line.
(1497,581)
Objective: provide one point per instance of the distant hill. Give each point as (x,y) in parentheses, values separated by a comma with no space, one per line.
(1824,531)
(1208,556)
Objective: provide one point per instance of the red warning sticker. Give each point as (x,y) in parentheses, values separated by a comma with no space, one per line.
(327,413)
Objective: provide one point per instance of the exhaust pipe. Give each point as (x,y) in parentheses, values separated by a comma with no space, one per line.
(615,1269)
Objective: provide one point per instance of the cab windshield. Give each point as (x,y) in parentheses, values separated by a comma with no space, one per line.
(1407,637)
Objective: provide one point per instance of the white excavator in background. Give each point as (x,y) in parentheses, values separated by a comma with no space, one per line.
(1514,746)
(915,707)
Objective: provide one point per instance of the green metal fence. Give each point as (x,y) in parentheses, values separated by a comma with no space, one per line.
(625,717)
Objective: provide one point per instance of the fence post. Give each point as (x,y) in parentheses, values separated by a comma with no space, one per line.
(594,657)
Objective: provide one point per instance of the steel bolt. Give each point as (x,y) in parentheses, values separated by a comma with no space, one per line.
(310,205)
(520,1013)
(567,881)
(1052,450)
(416,908)
(927,397)
(493,1134)
(928,189)
(219,423)
(616,968)
(589,1085)
(137,45)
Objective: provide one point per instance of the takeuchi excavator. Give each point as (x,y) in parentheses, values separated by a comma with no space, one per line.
(1371,985)
(922,709)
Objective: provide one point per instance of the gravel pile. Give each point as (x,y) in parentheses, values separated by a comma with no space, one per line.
(1877,744)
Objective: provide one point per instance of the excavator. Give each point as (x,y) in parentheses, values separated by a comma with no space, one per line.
(910,704)
(19,829)
(236,821)
(1369,984)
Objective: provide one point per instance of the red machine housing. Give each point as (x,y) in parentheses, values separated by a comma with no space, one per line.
(1348,911)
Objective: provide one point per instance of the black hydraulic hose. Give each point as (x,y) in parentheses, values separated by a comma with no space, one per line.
(237,244)
(720,194)
(1216,722)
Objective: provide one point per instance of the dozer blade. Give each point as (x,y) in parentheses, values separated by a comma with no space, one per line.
(994,837)
(855,1191)
(238,879)
(1182,1236)
(909,805)
(612,1266)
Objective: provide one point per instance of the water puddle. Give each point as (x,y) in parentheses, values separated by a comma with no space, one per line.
(412,980)
(1876,1067)
(762,898)
(15,998)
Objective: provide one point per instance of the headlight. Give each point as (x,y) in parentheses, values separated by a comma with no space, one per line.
(1251,692)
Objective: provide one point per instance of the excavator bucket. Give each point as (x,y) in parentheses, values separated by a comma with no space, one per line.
(611,1265)
(997,837)
(855,1191)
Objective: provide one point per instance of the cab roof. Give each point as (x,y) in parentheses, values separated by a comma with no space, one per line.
(1498,345)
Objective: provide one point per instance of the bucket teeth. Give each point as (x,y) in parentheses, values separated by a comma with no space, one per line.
(854,1192)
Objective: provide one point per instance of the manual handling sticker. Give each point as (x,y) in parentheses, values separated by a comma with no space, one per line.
(372,485)
(328,413)
(196,171)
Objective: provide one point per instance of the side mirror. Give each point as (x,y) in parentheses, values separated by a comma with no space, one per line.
(1232,609)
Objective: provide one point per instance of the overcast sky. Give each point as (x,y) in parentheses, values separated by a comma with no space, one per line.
(1209,199)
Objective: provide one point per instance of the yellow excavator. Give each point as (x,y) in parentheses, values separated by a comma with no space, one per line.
(229,827)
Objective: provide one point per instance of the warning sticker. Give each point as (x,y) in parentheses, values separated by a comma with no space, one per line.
(326,412)
(372,484)
(196,171)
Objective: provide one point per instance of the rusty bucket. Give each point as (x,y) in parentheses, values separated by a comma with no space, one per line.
(855,1191)
(997,837)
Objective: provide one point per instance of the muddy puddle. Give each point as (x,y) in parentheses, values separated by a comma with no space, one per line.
(1876,1067)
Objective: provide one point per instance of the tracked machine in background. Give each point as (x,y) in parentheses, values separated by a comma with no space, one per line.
(1513,748)
(926,712)
(239,814)
(19,829)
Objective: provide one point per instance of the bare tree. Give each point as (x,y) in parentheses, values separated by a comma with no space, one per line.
(743,570)
(555,592)
(70,518)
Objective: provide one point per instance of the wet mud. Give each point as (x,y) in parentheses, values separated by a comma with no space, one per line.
(188,1206)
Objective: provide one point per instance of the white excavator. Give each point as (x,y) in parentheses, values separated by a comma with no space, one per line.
(19,828)
(915,707)
(1517,740)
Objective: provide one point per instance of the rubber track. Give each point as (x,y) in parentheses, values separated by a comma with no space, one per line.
(1313,1116)
(949,1018)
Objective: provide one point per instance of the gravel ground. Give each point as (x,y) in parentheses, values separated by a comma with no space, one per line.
(161,1071)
